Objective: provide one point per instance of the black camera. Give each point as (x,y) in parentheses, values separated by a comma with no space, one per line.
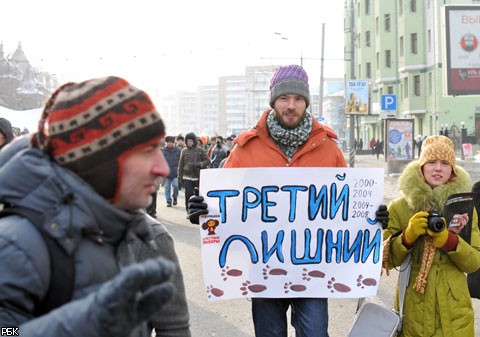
(435,222)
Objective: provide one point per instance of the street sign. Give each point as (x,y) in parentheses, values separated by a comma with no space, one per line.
(389,102)
(389,106)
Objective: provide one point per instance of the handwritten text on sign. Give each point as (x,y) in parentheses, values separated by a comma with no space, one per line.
(291,232)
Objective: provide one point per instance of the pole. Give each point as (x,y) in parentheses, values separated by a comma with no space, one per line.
(352,76)
(320,96)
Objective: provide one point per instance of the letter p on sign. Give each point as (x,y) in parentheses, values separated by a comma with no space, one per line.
(389,102)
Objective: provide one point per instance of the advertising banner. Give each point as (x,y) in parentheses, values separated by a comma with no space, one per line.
(357,97)
(462,36)
(399,139)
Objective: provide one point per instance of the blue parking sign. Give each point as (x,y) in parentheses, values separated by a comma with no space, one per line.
(389,102)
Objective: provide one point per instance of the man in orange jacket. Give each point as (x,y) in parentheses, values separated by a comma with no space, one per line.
(285,135)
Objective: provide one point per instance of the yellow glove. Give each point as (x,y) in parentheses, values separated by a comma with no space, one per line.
(417,226)
(439,238)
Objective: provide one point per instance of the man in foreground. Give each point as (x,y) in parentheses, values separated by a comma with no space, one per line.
(78,187)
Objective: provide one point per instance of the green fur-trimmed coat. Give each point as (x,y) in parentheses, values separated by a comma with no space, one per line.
(445,309)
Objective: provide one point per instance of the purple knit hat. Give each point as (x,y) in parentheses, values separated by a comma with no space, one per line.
(291,79)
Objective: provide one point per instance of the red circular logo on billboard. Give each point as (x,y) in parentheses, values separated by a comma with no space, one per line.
(469,42)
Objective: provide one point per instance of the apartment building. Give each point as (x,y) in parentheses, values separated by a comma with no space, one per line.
(399,47)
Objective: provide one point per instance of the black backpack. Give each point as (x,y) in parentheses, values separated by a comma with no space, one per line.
(62,268)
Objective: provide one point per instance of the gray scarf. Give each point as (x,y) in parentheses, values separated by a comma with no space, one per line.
(291,139)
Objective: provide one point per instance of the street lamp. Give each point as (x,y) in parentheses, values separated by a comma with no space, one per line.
(283,37)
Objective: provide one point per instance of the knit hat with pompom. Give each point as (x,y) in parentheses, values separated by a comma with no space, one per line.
(90,127)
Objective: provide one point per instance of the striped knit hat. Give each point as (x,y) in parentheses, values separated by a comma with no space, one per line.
(290,79)
(90,127)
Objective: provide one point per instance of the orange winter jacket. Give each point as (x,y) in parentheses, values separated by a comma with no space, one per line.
(255,148)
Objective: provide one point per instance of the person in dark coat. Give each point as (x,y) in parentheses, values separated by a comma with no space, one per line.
(219,152)
(172,156)
(86,175)
(378,147)
(192,160)
(6,132)
(174,318)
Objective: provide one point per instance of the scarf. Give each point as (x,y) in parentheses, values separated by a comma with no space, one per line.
(291,139)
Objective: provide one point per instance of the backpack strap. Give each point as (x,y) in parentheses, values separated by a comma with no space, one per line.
(62,268)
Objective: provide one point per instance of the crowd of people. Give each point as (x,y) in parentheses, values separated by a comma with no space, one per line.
(82,253)
(186,156)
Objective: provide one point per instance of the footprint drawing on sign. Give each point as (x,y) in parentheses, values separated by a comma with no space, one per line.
(254,288)
(361,282)
(226,272)
(308,275)
(293,287)
(340,287)
(217,292)
(274,272)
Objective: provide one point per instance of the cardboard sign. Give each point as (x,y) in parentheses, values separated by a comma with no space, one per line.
(291,232)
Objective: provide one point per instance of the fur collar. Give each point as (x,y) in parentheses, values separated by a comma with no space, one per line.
(420,196)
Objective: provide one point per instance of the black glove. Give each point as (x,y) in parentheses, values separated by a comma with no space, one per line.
(382,215)
(196,207)
(131,297)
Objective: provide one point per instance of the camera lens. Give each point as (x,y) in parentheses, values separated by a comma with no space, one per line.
(435,222)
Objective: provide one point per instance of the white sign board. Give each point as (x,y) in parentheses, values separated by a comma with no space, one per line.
(291,232)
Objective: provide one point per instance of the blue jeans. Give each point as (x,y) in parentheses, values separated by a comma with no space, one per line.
(169,183)
(309,316)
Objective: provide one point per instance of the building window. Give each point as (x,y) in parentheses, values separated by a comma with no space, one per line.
(405,87)
(400,7)
(367,38)
(401,46)
(413,43)
(367,7)
(358,9)
(369,70)
(390,90)
(377,59)
(413,5)
(428,3)
(388,58)
(359,39)
(376,26)
(416,88)
(359,71)
(387,22)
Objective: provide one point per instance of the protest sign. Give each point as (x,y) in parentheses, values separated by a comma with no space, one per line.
(291,232)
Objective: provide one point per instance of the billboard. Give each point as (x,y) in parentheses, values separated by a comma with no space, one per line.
(462,52)
(400,139)
(357,97)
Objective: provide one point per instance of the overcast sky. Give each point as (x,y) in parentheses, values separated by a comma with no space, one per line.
(173,45)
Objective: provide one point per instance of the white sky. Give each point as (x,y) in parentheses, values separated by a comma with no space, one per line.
(176,44)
